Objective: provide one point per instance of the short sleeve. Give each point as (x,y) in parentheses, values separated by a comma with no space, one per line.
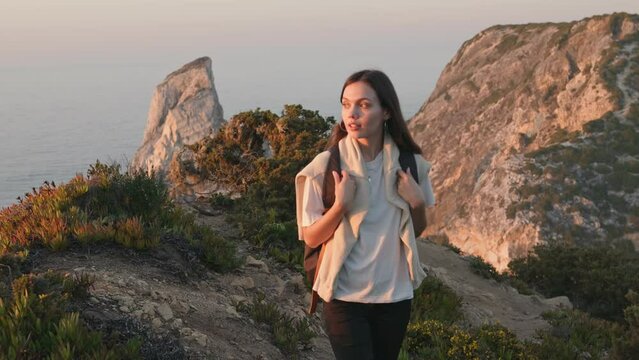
(429,195)
(312,204)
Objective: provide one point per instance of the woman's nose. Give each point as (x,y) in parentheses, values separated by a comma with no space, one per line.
(354,112)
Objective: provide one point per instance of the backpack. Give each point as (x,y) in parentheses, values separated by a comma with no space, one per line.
(313,256)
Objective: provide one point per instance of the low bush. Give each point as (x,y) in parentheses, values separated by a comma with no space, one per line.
(595,278)
(34,323)
(131,209)
(434,300)
(482,268)
(432,339)
(287,332)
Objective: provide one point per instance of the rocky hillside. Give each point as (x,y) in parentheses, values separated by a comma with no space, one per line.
(184,311)
(181,309)
(543,118)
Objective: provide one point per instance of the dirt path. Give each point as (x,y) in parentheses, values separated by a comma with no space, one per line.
(487,300)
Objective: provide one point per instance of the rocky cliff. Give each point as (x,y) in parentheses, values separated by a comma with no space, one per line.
(184,109)
(532,132)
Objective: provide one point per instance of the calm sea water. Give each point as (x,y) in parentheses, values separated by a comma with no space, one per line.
(55,122)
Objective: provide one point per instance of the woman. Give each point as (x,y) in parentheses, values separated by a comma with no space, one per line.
(370,265)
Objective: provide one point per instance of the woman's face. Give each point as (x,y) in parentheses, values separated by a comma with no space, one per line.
(362,113)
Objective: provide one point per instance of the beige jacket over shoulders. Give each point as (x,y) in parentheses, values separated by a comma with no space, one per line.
(347,232)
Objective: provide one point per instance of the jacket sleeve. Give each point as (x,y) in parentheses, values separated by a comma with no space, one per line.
(315,169)
(312,203)
(300,181)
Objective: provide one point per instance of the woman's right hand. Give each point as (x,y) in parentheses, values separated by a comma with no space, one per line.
(344,189)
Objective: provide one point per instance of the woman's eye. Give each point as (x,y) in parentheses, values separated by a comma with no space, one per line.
(346,105)
(365,105)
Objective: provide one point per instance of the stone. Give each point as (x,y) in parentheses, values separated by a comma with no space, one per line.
(177,323)
(198,337)
(559,302)
(156,323)
(259,264)
(231,311)
(124,299)
(149,308)
(184,109)
(268,281)
(180,306)
(186,331)
(244,282)
(165,311)
(294,285)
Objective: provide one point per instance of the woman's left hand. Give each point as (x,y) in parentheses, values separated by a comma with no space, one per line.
(409,189)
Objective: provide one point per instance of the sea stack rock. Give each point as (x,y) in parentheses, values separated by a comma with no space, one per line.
(184,109)
(532,132)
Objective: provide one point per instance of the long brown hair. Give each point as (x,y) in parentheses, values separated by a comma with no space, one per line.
(395,125)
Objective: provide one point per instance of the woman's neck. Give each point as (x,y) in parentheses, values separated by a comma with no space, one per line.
(370,147)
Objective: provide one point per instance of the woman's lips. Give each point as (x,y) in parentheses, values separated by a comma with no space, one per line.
(353,127)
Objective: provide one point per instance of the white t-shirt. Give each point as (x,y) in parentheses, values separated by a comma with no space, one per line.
(376,269)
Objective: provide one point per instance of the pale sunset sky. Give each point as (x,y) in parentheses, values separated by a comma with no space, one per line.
(267,53)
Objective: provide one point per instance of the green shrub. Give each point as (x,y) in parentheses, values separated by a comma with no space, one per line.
(633,114)
(235,157)
(480,267)
(131,209)
(628,346)
(576,335)
(87,209)
(508,43)
(215,251)
(221,201)
(122,195)
(594,126)
(431,339)
(287,332)
(595,278)
(434,300)
(131,233)
(34,323)
(453,248)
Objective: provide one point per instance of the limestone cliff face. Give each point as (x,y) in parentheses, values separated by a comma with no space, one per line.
(184,109)
(511,100)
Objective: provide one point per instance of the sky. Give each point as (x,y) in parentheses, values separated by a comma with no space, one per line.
(268,53)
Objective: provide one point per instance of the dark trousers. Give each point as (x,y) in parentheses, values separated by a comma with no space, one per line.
(366,331)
